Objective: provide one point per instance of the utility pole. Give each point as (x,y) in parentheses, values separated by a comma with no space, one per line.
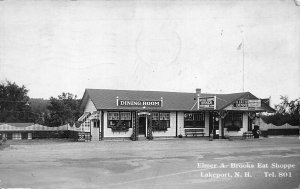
(242,47)
(243,44)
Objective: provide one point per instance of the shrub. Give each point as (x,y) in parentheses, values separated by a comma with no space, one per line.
(233,128)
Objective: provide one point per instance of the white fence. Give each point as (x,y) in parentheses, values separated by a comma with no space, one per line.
(38,127)
(264,126)
(82,127)
(33,127)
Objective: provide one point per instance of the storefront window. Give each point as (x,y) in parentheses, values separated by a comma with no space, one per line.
(155,116)
(125,115)
(119,121)
(194,120)
(113,115)
(233,121)
(160,121)
(164,116)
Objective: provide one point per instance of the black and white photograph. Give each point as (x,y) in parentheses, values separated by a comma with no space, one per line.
(149,94)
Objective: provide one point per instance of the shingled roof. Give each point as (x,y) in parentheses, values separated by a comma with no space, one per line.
(105,99)
(18,124)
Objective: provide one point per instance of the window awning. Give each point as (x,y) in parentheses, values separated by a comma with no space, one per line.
(95,115)
(84,116)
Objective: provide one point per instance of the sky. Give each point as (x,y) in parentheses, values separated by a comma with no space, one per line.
(67,46)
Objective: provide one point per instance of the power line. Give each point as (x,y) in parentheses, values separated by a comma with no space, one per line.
(25,101)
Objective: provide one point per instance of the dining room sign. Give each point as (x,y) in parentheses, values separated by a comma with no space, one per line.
(140,103)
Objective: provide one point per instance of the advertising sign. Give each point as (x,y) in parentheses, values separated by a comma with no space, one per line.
(254,103)
(207,102)
(246,104)
(240,104)
(140,103)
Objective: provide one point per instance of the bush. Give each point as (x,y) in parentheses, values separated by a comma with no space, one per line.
(2,142)
(150,137)
(233,128)
(132,137)
(226,137)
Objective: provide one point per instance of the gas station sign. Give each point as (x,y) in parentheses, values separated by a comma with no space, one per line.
(254,103)
(246,104)
(207,102)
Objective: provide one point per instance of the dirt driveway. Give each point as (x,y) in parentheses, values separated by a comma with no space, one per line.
(174,163)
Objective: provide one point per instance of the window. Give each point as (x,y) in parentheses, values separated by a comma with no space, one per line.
(16,136)
(234,121)
(194,120)
(96,124)
(29,135)
(125,115)
(119,121)
(164,116)
(113,115)
(2,136)
(87,124)
(160,121)
(155,116)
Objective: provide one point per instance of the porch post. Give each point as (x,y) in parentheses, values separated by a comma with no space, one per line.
(222,121)
(101,125)
(149,127)
(135,126)
(221,125)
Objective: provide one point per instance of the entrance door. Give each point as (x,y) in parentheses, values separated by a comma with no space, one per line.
(213,125)
(142,125)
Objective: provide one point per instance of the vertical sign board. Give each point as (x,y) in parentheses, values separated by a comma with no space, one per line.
(207,102)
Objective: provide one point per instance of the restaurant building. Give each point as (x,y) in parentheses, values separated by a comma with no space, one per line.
(138,114)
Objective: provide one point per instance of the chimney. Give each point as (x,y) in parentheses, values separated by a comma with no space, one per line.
(198,91)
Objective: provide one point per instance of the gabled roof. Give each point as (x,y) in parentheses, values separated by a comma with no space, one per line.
(105,99)
(18,124)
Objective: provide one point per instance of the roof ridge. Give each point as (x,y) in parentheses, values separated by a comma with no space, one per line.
(143,91)
(166,91)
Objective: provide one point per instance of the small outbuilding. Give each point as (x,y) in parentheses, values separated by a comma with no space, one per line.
(18,131)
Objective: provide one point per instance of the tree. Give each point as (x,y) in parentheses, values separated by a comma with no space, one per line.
(14,103)
(63,110)
(39,108)
(294,111)
(283,107)
(286,112)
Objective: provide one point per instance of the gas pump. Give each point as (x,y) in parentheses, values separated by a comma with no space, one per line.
(214,125)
